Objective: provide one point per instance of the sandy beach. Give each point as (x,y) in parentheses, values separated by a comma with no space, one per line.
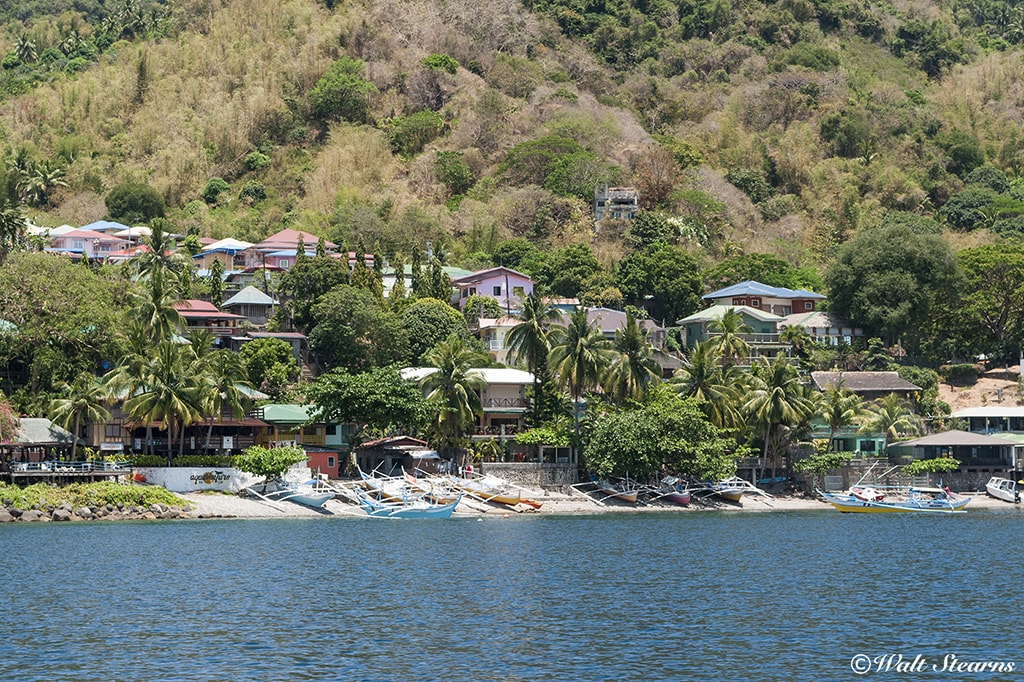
(221,505)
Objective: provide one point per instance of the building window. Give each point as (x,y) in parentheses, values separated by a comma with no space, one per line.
(472,291)
(330,462)
(496,290)
(283,264)
(332,429)
(808,305)
(112,431)
(755,303)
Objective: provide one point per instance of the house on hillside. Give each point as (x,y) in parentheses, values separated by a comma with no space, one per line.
(230,252)
(206,316)
(505,285)
(868,385)
(775,300)
(282,247)
(88,244)
(763,339)
(620,203)
(251,303)
(825,327)
(503,399)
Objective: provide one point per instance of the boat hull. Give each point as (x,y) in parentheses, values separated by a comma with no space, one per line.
(681,498)
(1002,489)
(851,504)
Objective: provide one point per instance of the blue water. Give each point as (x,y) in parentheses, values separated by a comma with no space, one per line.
(722,596)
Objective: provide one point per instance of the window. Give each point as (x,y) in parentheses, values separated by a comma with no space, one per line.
(112,431)
(472,291)
(330,462)
(496,290)
(332,429)
(755,302)
(808,305)
(283,264)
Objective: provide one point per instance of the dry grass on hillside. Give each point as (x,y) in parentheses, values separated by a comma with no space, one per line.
(995,387)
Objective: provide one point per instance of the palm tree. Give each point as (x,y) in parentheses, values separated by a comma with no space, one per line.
(797,337)
(729,342)
(579,357)
(167,390)
(82,403)
(25,49)
(227,387)
(891,416)
(839,407)
(452,389)
(162,262)
(12,230)
(530,341)
(717,387)
(37,186)
(776,402)
(633,367)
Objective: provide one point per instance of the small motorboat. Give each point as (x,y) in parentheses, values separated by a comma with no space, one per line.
(1004,489)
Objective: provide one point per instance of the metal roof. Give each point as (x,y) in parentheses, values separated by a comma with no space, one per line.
(250,295)
(752,288)
(863,381)
(716,312)
(952,439)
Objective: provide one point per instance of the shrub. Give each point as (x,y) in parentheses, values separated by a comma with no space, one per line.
(134,203)
(751,182)
(214,188)
(253,191)
(255,161)
(964,373)
(453,172)
(268,462)
(342,93)
(409,134)
(442,62)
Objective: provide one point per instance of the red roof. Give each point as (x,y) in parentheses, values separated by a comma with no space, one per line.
(194,309)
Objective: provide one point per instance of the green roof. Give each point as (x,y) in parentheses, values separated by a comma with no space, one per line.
(36,431)
(287,414)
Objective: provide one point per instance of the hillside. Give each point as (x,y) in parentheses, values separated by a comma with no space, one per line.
(781,128)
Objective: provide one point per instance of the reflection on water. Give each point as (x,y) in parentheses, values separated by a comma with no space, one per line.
(783,596)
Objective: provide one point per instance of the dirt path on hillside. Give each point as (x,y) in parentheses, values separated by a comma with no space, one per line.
(994,387)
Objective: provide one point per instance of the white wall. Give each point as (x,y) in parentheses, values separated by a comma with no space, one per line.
(192,479)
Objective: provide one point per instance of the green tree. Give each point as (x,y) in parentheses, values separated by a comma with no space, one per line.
(269,364)
(12,229)
(633,369)
(216,278)
(668,433)
(227,387)
(579,357)
(342,93)
(134,203)
(888,278)
(270,463)
(478,305)
(354,330)
(840,407)
(429,321)
(452,391)
(665,280)
(728,332)
(529,343)
(764,268)
(718,388)
(409,134)
(214,188)
(775,404)
(377,401)
(891,415)
(453,172)
(305,283)
(81,404)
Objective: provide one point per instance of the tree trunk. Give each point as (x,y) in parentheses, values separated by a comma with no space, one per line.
(74,440)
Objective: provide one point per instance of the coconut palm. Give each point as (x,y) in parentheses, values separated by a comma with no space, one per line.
(227,388)
(161,263)
(633,368)
(82,403)
(840,407)
(892,416)
(12,229)
(729,330)
(167,390)
(579,357)
(452,389)
(717,387)
(530,341)
(37,185)
(776,402)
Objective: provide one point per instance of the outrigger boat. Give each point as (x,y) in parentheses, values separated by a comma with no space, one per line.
(310,493)
(673,490)
(916,500)
(410,507)
(731,489)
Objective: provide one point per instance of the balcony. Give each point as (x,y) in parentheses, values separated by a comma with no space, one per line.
(503,403)
(755,339)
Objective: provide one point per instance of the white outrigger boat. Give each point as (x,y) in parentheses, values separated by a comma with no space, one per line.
(311,493)
(1004,489)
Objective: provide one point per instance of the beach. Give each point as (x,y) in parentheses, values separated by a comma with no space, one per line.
(222,505)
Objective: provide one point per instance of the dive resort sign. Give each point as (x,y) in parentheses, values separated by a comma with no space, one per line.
(192,479)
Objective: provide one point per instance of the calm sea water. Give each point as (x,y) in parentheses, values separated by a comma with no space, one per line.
(774,596)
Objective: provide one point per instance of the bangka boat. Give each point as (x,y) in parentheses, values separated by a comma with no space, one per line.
(411,507)
(488,489)
(1004,489)
(731,489)
(311,493)
(915,500)
(626,491)
(673,490)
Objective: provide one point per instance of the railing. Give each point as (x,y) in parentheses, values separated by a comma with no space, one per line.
(494,344)
(517,403)
(56,466)
(506,430)
(753,338)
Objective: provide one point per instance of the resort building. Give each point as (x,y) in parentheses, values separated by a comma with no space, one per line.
(763,339)
(503,399)
(252,304)
(868,385)
(778,301)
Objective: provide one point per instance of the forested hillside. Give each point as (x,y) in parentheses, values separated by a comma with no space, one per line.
(784,128)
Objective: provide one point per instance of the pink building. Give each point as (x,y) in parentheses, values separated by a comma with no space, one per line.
(509,287)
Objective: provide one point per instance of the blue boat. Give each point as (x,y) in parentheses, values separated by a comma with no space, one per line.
(409,507)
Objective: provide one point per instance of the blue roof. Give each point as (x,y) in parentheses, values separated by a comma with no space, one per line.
(290,252)
(104,226)
(752,288)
